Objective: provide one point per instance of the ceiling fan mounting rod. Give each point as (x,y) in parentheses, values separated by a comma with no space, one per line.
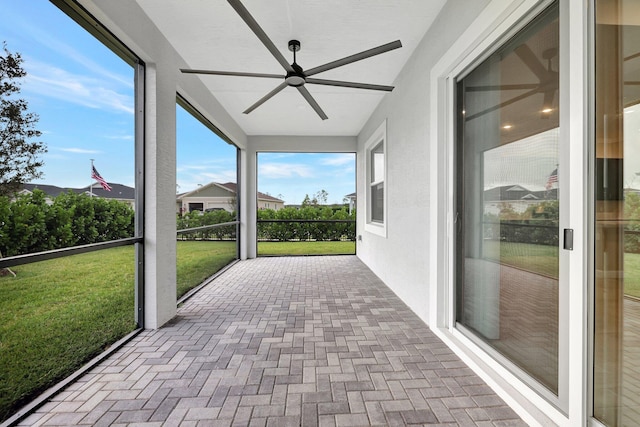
(295,78)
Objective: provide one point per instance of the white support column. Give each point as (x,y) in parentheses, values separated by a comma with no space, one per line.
(248,248)
(160,202)
(242,189)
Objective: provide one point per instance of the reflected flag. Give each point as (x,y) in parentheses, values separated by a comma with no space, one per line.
(553,179)
(95,175)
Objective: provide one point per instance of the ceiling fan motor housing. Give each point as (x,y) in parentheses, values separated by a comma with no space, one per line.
(296,77)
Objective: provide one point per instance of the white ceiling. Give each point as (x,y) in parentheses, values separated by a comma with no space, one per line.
(209,34)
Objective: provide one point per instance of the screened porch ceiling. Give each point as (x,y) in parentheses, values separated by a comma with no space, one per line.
(210,34)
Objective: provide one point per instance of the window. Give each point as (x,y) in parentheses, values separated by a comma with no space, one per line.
(376,195)
(206,183)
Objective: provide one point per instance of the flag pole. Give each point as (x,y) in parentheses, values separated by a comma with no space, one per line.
(91,174)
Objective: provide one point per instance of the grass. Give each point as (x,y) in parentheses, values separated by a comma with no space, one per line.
(56,315)
(197,260)
(541,259)
(544,260)
(632,274)
(306,248)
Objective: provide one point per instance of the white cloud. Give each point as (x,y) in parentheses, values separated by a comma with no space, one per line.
(80,150)
(284,170)
(50,40)
(120,137)
(88,91)
(190,181)
(339,160)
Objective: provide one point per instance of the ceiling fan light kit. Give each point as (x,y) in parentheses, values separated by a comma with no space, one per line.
(295,75)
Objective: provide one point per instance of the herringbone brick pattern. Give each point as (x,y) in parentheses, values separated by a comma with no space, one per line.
(313,341)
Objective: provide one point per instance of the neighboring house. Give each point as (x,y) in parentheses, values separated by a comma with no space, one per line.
(215,196)
(352,201)
(118,192)
(50,190)
(516,196)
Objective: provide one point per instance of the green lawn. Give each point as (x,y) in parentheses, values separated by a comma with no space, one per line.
(544,260)
(632,274)
(56,315)
(540,259)
(306,248)
(197,260)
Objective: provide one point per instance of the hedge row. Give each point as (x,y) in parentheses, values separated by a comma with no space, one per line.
(292,231)
(526,231)
(32,223)
(199,219)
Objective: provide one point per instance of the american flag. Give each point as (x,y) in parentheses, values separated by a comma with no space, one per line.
(95,175)
(553,179)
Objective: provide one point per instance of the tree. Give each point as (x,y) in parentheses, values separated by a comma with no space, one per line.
(19,162)
(321,197)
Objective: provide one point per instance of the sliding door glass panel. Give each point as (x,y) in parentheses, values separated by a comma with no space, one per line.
(507,200)
(617,203)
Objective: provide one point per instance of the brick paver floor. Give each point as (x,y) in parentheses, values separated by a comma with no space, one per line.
(284,342)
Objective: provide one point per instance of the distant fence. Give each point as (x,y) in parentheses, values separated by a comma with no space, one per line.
(222,231)
(536,234)
(281,230)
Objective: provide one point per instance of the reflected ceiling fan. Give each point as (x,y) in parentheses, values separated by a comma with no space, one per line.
(296,76)
(547,82)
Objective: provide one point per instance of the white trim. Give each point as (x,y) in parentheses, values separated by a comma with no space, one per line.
(498,21)
(574,38)
(378,137)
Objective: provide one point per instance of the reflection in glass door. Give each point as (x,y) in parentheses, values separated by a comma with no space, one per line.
(508,200)
(616,378)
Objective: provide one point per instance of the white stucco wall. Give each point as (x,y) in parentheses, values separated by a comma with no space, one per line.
(401,259)
(419,157)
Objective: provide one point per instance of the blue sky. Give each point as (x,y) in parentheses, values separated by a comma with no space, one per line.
(83,94)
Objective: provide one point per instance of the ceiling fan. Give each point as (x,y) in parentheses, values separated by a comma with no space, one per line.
(547,82)
(296,76)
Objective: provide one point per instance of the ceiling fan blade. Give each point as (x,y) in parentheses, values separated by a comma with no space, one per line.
(630,57)
(232,73)
(503,104)
(632,83)
(305,93)
(348,84)
(265,98)
(258,31)
(529,58)
(353,58)
(501,87)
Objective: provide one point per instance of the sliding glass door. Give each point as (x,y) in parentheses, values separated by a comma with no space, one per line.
(507,201)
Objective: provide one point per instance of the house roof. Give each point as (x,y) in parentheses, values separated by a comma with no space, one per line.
(261,196)
(49,190)
(118,191)
(515,192)
(229,186)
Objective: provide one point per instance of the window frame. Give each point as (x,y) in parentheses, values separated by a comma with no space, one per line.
(94,28)
(378,138)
